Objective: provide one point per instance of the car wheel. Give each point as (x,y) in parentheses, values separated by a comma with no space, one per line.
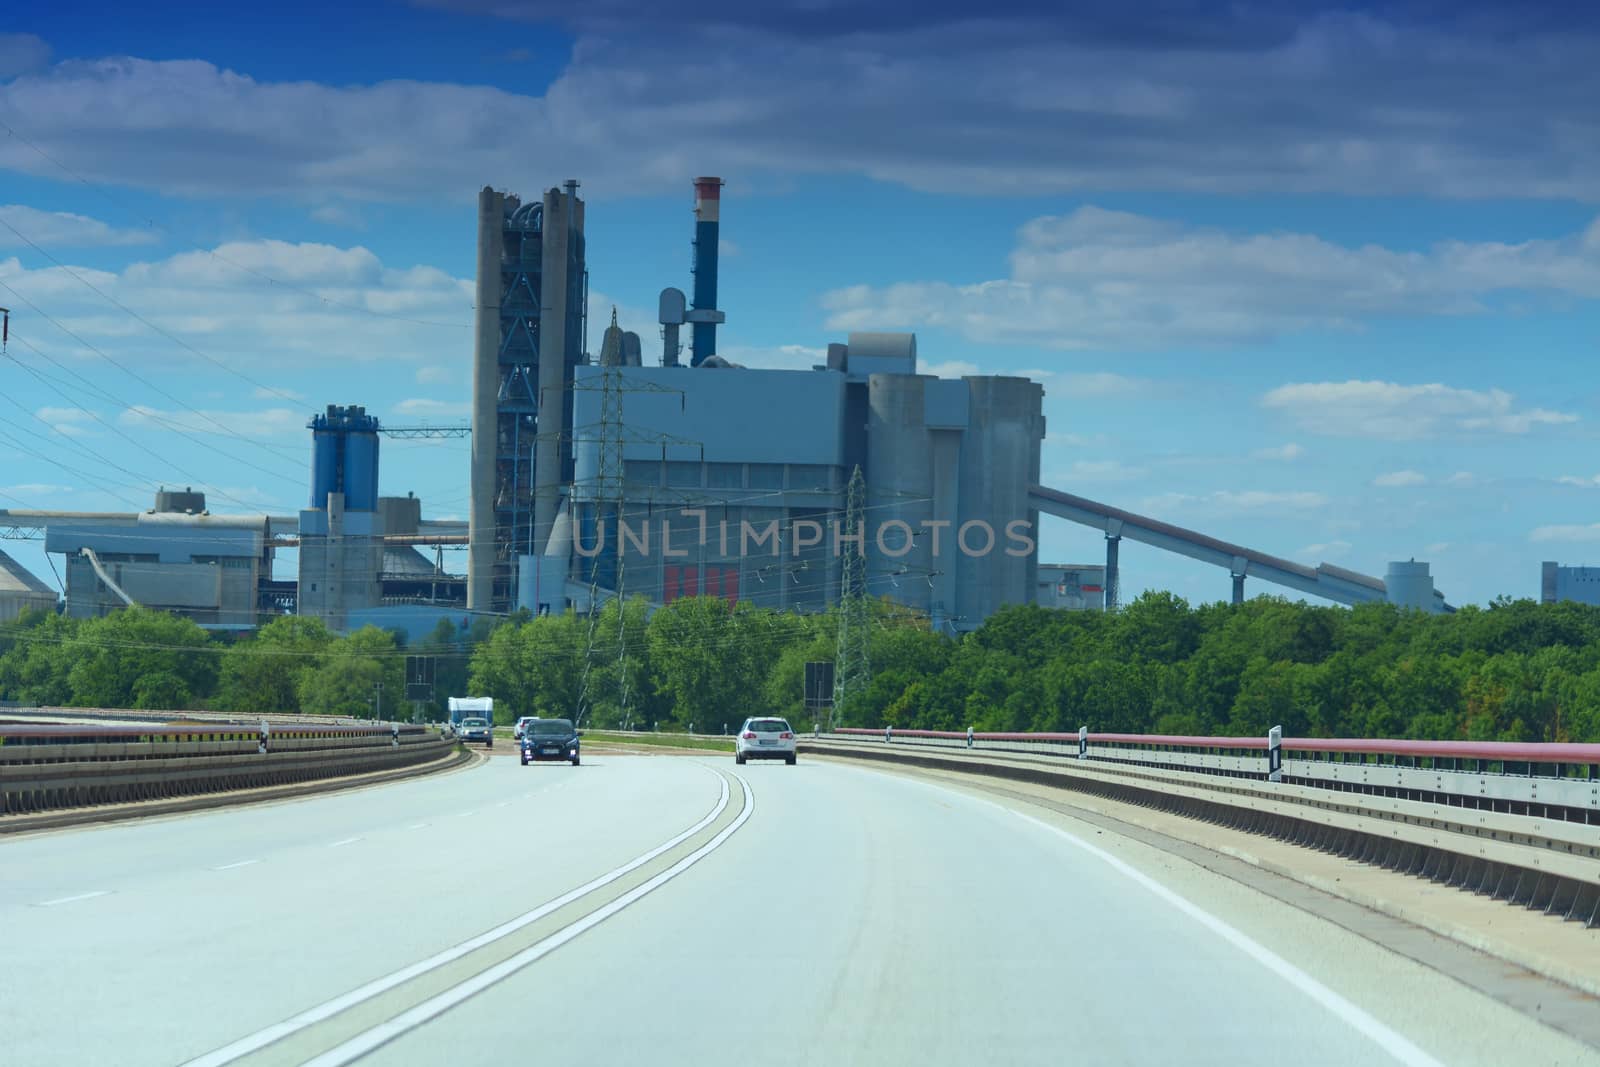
(738,757)
(789,760)
(524,761)
(575,761)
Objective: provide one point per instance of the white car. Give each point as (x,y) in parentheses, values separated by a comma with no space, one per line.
(764,739)
(522,725)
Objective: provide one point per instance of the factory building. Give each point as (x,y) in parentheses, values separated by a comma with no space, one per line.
(175,557)
(1569,583)
(1071,586)
(21,591)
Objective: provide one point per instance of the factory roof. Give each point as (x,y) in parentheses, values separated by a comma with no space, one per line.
(15,578)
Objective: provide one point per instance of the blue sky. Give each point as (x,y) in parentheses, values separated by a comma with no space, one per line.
(1321,279)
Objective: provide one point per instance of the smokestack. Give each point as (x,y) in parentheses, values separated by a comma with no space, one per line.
(485,393)
(705,316)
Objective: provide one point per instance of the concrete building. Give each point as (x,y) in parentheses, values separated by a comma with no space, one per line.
(531,323)
(734,481)
(177,557)
(20,590)
(1569,583)
(1071,586)
(341,533)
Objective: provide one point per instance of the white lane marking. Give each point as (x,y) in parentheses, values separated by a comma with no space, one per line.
(466,814)
(380,1035)
(311,1016)
(1390,1040)
(346,841)
(503,804)
(76,896)
(416,826)
(233,866)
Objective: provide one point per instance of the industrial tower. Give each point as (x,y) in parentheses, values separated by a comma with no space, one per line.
(533,287)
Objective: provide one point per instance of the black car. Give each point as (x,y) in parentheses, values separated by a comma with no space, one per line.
(550,739)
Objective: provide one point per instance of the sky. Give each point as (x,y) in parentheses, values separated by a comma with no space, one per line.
(1319,279)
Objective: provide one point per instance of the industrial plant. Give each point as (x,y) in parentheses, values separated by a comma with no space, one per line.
(594,476)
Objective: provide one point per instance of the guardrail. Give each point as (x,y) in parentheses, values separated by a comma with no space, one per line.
(1513,821)
(52,767)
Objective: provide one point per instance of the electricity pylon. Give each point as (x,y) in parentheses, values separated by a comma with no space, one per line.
(852,670)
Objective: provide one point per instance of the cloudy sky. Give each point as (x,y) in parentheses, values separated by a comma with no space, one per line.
(1321,279)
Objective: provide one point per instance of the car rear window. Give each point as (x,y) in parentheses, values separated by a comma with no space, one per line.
(551,727)
(769,726)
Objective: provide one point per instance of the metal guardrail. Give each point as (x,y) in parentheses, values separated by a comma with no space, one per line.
(1548,780)
(1517,822)
(52,767)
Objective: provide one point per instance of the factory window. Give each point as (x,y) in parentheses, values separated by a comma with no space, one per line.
(766,476)
(683,475)
(809,476)
(725,475)
(641,472)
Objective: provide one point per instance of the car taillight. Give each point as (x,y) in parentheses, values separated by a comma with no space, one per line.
(749,735)
(786,735)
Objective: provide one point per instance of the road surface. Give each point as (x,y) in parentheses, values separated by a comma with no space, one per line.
(680,910)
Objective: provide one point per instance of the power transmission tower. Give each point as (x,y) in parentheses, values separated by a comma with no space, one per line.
(852,670)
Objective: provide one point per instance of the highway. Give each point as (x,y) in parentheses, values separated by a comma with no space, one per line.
(680,910)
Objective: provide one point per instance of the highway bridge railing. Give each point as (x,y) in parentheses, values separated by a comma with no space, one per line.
(1518,822)
(56,767)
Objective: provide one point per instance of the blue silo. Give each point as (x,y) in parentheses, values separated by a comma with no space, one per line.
(345,458)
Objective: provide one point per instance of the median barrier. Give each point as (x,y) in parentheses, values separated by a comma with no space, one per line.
(47,768)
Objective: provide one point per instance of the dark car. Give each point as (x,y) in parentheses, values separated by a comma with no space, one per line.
(550,739)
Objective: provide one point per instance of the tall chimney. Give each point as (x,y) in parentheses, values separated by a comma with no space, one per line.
(485,394)
(705,316)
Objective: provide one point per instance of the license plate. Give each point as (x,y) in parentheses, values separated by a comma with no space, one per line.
(769,742)
(552,751)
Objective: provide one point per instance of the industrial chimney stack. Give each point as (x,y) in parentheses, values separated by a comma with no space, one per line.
(705,316)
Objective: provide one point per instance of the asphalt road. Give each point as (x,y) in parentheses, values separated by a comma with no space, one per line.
(666,910)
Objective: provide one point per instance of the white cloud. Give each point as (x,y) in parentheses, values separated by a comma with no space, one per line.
(431,408)
(253,304)
(1099,470)
(275,393)
(342,215)
(36,488)
(20,224)
(1400,479)
(435,376)
(779,357)
(1566,533)
(268,423)
(1326,550)
(1109,279)
(1290,451)
(1404,412)
(1279,99)
(1228,502)
(1462,480)
(21,53)
(954,368)
(1583,483)
(1102,383)
(726,248)
(1438,548)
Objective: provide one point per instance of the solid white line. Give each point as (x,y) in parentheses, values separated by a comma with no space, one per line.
(311,1016)
(69,900)
(380,1035)
(231,866)
(1386,1038)
(346,841)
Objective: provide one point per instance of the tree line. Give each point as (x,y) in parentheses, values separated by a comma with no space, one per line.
(1516,670)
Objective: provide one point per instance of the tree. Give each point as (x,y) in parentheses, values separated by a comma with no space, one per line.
(111,655)
(346,680)
(263,674)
